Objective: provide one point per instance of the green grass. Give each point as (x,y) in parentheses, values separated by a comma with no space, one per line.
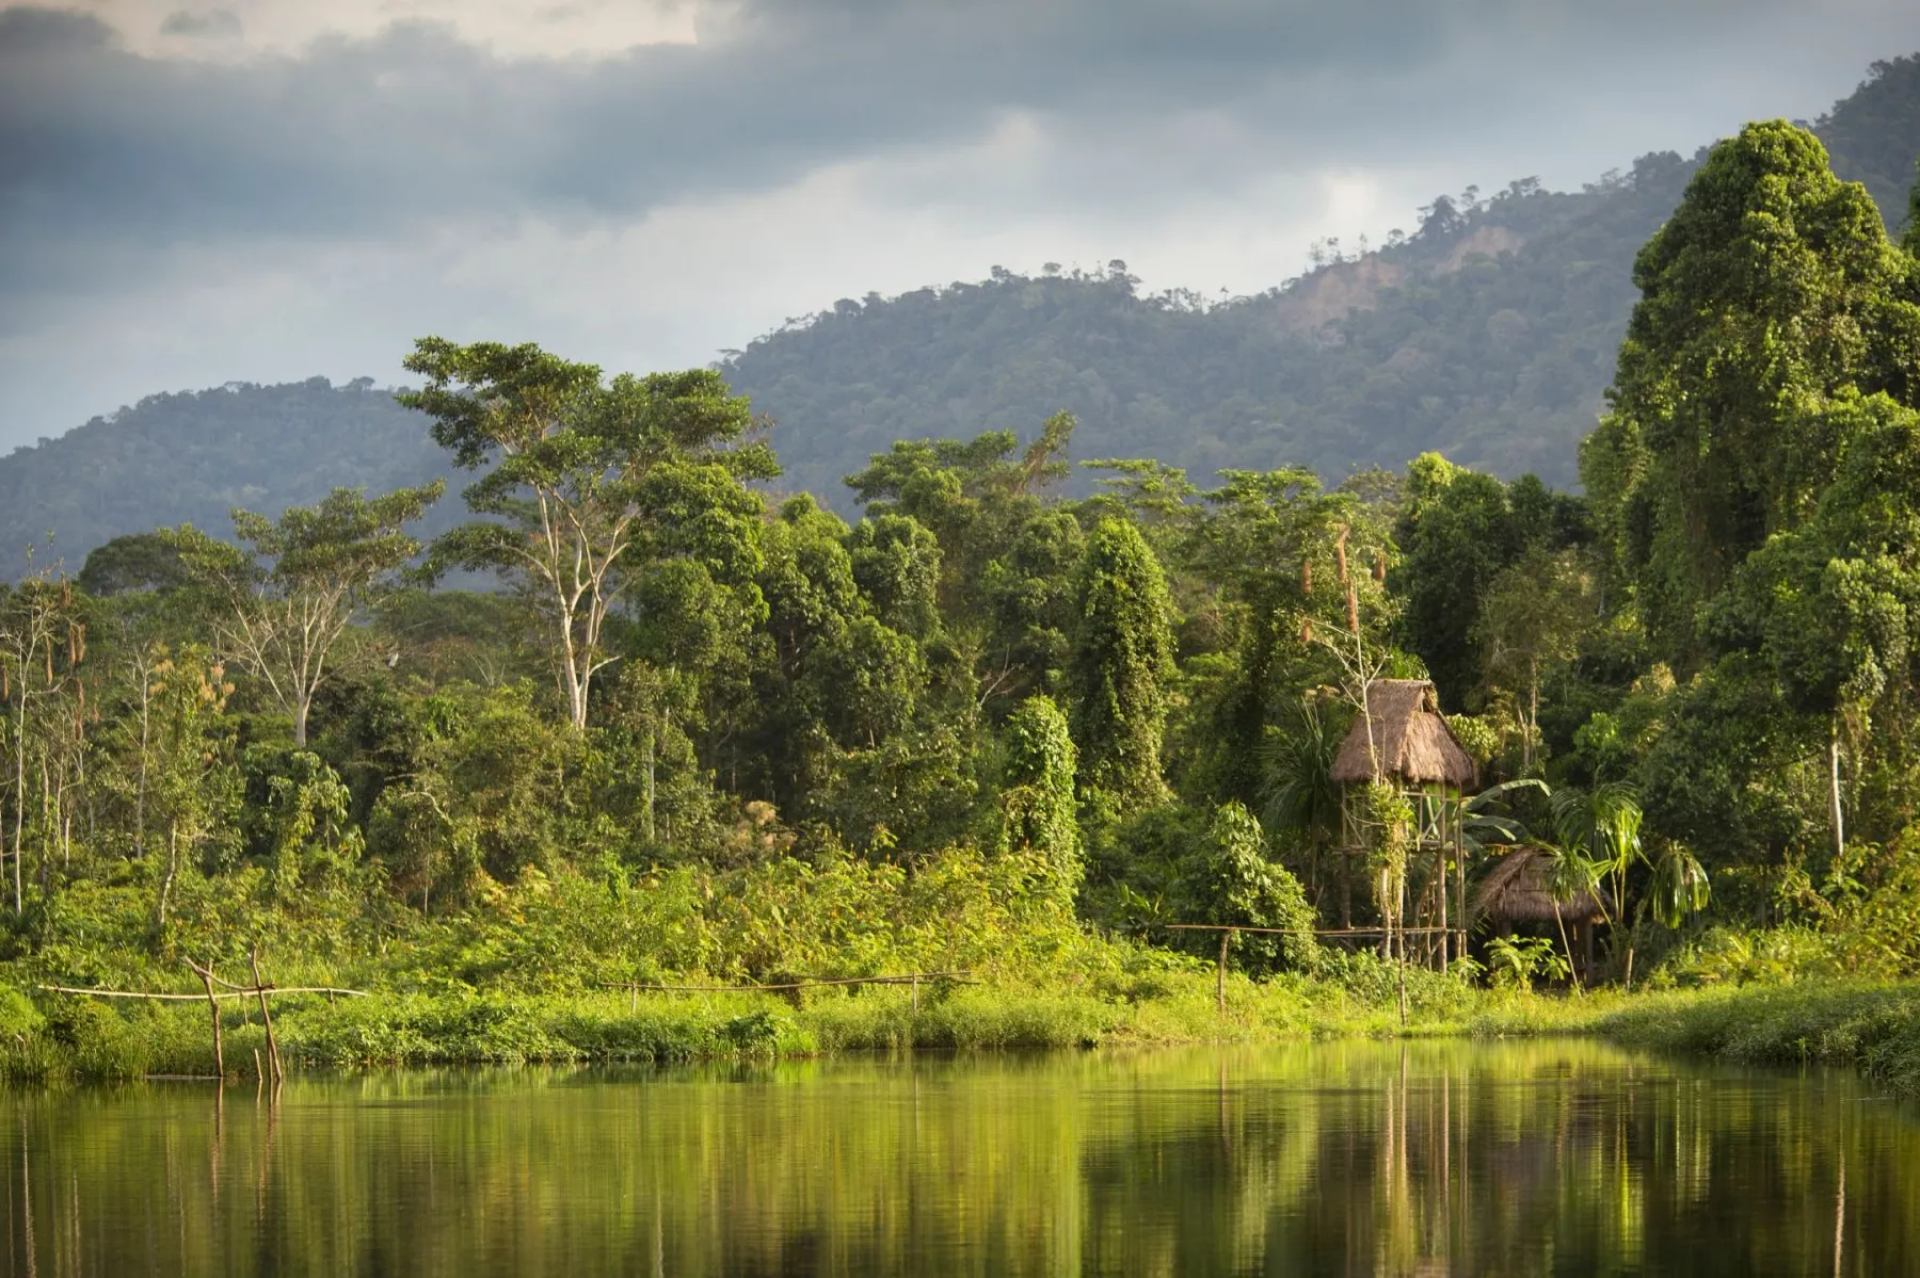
(1871,1026)
(1142,1002)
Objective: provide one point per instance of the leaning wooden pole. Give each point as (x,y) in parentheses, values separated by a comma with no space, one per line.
(260,988)
(213,1007)
(1220,975)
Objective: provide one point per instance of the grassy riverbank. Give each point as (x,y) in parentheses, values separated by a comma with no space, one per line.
(58,1036)
(534,974)
(1873,1027)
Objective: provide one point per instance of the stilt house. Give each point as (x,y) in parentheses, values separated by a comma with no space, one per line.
(1404,740)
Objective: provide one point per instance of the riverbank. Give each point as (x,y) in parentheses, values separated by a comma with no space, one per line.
(555,970)
(1872,1027)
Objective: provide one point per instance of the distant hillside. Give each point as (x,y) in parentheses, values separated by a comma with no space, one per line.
(192,457)
(1489,334)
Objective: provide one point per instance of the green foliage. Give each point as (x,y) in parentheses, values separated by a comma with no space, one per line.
(591,482)
(1515,962)
(1232,879)
(132,561)
(283,619)
(1875,1028)
(1458,532)
(1037,797)
(1302,799)
(708,737)
(1122,662)
(1772,289)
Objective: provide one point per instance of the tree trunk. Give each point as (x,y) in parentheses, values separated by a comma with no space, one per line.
(650,749)
(166,884)
(1533,712)
(20,797)
(1573,972)
(1833,790)
(140,790)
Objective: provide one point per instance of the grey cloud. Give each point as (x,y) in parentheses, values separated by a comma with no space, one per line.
(365,135)
(108,159)
(205,24)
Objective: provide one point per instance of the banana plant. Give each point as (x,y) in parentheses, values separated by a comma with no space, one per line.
(1482,828)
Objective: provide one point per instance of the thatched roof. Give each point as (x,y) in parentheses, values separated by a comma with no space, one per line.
(1410,736)
(1515,891)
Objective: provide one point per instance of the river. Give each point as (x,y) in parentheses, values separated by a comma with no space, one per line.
(1562,1157)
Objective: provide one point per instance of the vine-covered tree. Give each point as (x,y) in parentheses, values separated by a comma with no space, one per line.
(1771,289)
(1037,800)
(1122,666)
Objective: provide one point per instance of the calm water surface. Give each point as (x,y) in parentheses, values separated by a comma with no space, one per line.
(1342,1159)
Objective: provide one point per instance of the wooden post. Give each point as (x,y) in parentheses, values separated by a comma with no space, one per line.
(1460,878)
(1220,976)
(916,996)
(260,988)
(213,1006)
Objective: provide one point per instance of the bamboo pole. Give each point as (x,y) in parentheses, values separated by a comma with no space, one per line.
(914,978)
(233,992)
(1287,931)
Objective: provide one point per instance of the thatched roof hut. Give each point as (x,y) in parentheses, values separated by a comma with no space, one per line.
(1410,736)
(1515,891)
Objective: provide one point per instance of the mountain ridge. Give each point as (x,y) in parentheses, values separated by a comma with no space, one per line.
(1488,334)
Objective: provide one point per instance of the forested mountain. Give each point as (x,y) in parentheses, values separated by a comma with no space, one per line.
(193,457)
(1488,334)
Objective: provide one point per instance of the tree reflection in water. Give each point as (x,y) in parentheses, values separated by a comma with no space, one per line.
(1377,1159)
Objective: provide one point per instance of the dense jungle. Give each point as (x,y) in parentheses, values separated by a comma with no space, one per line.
(1013,733)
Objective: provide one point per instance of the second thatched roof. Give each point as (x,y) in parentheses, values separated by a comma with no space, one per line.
(1516,890)
(1410,737)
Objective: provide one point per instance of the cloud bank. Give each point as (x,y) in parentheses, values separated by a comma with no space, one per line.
(184,201)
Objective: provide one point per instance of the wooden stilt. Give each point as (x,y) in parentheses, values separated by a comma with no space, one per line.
(1220,975)
(260,988)
(213,1007)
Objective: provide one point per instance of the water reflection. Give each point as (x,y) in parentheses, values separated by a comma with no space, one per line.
(1344,1159)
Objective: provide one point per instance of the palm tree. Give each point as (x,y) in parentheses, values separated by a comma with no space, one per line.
(1603,825)
(1570,873)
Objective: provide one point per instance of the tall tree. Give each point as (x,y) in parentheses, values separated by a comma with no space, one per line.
(288,593)
(1262,542)
(585,471)
(1122,666)
(1910,237)
(1772,287)
(42,643)
(1833,607)
(1457,531)
(1532,616)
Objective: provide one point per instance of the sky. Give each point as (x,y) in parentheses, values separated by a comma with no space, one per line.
(267,190)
